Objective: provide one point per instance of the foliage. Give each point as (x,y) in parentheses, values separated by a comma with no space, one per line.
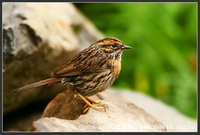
(164,38)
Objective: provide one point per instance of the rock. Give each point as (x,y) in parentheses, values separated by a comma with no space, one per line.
(38,38)
(64,113)
(170,116)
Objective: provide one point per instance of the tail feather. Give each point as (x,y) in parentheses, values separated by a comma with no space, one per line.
(40,83)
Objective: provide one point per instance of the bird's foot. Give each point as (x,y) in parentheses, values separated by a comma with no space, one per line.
(89,104)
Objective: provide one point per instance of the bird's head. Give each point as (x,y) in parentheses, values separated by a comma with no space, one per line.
(112,47)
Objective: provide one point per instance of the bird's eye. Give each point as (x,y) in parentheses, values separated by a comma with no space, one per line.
(114,45)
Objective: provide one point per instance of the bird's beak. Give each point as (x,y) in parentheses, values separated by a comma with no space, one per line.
(125,47)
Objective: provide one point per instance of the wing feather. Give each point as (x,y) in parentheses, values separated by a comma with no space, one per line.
(66,70)
(87,61)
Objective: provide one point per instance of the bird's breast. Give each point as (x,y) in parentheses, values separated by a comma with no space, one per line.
(92,83)
(116,68)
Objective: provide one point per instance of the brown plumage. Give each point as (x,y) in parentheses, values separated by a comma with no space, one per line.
(91,71)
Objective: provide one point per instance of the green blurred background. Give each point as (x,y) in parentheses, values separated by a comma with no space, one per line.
(163,61)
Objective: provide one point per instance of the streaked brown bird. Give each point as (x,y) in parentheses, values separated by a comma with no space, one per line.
(91,71)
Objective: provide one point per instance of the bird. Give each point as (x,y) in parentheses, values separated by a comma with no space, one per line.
(91,71)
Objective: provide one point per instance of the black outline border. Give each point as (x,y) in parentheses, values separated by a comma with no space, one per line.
(101,1)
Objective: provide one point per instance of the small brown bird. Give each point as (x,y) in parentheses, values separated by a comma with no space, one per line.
(91,71)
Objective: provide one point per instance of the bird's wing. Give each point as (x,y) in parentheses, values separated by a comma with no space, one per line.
(66,70)
(85,62)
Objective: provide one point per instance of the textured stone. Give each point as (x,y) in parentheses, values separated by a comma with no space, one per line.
(174,120)
(64,113)
(38,38)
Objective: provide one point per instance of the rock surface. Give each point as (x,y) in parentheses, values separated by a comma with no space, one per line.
(38,38)
(172,119)
(170,116)
(64,113)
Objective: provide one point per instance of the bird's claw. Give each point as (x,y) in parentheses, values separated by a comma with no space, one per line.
(101,107)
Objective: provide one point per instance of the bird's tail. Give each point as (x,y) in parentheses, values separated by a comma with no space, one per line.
(40,83)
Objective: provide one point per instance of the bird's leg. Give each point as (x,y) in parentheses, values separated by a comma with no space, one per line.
(93,101)
(86,108)
(96,102)
(89,104)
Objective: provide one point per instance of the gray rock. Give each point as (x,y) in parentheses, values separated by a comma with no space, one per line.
(173,120)
(38,38)
(170,116)
(64,114)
